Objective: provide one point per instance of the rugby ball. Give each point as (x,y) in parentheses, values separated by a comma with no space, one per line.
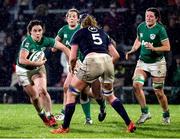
(36,56)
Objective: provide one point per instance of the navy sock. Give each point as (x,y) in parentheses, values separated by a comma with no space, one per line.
(69,110)
(101,103)
(117,105)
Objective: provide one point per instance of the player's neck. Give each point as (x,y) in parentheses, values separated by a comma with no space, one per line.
(73,26)
(151,26)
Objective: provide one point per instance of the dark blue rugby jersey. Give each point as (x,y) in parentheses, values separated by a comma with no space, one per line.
(91,39)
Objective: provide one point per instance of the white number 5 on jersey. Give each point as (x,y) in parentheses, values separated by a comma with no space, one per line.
(96,38)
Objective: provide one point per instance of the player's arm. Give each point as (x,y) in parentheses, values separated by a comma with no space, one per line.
(63,48)
(134,48)
(57,38)
(165,46)
(24,60)
(113,52)
(73,57)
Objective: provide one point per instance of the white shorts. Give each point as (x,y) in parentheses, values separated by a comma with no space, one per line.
(24,75)
(157,69)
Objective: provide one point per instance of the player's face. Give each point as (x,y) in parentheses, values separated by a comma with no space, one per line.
(72,19)
(150,18)
(36,33)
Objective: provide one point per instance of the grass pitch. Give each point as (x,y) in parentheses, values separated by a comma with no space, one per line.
(21,121)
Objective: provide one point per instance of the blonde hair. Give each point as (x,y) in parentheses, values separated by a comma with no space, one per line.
(89,21)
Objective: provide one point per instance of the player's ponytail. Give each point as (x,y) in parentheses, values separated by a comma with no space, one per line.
(89,21)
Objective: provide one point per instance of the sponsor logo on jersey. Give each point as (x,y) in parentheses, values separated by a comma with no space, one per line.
(141,35)
(26,45)
(152,36)
(65,35)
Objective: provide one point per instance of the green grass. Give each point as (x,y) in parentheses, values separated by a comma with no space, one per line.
(21,121)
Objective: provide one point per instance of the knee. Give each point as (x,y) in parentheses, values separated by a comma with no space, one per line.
(110,98)
(159,93)
(137,86)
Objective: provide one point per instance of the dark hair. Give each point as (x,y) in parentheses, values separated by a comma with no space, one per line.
(156,13)
(33,23)
(73,10)
(89,21)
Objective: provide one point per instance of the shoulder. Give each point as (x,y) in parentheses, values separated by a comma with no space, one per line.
(65,27)
(26,41)
(160,26)
(141,25)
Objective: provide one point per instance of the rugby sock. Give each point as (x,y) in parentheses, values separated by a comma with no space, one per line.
(62,111)
(145,110)
(102,104)
(86,109)
(69,110)
(117,105)
(166,114)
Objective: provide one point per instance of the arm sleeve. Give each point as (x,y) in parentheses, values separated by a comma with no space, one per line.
(60,33)
(163,34)
(51,42)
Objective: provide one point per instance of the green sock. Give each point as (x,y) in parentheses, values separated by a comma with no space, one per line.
(62,111)
(145,110)
(166,114)
(86,109)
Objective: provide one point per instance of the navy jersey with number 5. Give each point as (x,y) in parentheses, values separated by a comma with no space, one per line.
(91,39)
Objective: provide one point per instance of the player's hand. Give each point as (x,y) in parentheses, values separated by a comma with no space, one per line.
(41,62)
(149,46)
(127,55)
(53,49)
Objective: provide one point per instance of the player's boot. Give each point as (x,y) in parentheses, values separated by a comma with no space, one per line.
(52,121)
(102,115)
(60,130)
(166,120)
(88,121)
(131,127)
(143,118)
(44,118)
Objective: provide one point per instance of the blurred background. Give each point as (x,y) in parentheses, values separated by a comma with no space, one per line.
(119,18)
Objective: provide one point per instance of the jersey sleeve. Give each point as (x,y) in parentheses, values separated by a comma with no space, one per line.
(25,45)
(50,42)
(60,33)
(163,34)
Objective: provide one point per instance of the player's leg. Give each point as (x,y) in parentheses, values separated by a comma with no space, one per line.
(60,116)
(85,103)
(158,72)
(117,105)
(158,84)
(74,89)
(41,83)
(138,82)
(97,92)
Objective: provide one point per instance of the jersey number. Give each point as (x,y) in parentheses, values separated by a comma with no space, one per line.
(96,38)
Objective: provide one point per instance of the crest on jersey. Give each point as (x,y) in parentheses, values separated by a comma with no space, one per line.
(141,35)
(92,29)
(65,35)
(26,45)
(152,36)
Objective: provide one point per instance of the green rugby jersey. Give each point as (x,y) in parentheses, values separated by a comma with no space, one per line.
(31,46)
(154,35)
(65,33)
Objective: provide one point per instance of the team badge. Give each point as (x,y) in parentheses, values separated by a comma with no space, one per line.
(92,29)
(152,36)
